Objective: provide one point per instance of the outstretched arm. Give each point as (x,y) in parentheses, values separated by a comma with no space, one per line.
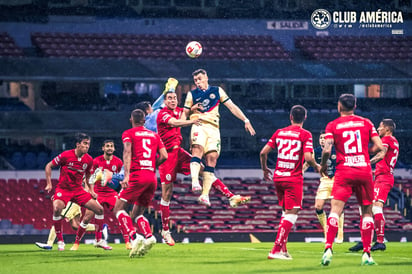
(182,122)
(236,111)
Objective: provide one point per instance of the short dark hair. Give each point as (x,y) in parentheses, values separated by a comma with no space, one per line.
(198,71)
(144,105)
(80,136)
(138,116)
(107,141)
(298,113)
(348,101)
(166,93)
(389,123)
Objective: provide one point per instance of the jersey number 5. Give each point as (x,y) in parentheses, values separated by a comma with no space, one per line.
(148,152)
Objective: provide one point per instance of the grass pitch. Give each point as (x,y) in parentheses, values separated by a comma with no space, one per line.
(199,258)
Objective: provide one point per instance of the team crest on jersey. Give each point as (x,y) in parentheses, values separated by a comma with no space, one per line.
(84,166)
(113,168)
(168,177)
(212,96)
(59,194)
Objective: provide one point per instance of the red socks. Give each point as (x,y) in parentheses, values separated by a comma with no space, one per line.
(220,186)
(332,229)
(144,226)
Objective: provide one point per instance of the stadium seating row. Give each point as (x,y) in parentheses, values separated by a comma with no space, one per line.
(168,46)
(365,48)
(156,46)
(8,46)
(32,208)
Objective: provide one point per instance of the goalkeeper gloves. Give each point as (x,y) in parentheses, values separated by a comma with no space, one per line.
(171,85)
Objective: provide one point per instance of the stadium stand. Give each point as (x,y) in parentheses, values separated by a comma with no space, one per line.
(157,46)
(356,48)
(268,65)
(33,207)
(8,46)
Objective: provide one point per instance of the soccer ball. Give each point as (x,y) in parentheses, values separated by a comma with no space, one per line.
(193,49)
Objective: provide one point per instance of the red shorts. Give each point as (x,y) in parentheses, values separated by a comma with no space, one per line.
(352,180)
(141,190)
(178,161)
(77,195)
(382,186)
(107,200)
(290,193)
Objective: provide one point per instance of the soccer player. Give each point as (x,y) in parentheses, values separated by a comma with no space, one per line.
(72,213)
(142,152)
(152,111)
(350,134)
(75,164)
(325,187)
(384,179)
(105,195)
(169,121)
(294,145)
(205,138)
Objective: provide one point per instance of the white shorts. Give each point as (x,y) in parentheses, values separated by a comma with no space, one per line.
(325,188)
(207,136)
(71,210)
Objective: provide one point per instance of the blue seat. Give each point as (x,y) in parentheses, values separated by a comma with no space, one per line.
(42,159)
(17,160)
(30,160)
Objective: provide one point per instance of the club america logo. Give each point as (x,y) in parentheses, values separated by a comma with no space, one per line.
(321,19)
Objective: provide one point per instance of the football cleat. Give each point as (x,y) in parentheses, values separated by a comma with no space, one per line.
(105,232)
(167,236)
(327,257)
(378,246)
(60,246)
(75,247)
(43,246)
(237,200)
(102,244)
(339,240)
(279,256)
(196,187)
(204,200)
(137,244)
(367,259)
(148,244)
(357,247)
(287,255)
